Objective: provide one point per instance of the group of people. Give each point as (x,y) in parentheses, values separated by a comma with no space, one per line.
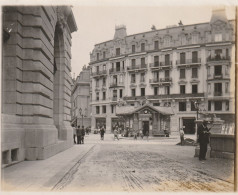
(79,133)
(141,134)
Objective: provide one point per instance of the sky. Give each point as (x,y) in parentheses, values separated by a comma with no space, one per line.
(96,21)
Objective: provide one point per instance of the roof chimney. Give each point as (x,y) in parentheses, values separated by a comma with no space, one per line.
(120,32)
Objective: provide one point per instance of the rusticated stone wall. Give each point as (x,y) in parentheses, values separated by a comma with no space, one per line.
(36,81)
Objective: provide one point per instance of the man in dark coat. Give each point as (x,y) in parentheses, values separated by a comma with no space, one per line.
(79,135)
(102,131)
(203,139)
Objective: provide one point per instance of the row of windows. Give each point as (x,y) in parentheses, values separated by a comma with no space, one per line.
(218,106)
(104,109)
(114,94)
(167,43)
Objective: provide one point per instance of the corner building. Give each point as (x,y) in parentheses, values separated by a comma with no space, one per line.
(172,67)
(36,82)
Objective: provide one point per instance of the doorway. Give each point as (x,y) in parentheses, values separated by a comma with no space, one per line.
(189,126)
(145,126)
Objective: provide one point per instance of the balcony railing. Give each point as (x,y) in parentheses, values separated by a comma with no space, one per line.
(98,73)
(189,61)
(161,80)
(114,98)
(217,93)
(116,84)
(154,80)
(165,63)
(218,58)
(114,70)
(137,67)
(217,76)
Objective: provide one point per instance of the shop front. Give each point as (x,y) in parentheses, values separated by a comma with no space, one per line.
(154,119)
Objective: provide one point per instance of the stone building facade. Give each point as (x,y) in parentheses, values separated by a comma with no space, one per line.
(36,82)
(81,98)
(186,67)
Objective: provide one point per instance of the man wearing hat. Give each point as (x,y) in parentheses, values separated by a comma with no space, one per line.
(203,139)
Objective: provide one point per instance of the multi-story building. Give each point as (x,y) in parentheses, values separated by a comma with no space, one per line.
(172,67)
(81,108)
(36,82)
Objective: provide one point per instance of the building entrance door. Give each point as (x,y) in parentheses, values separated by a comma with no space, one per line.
(189,126)
(145,126)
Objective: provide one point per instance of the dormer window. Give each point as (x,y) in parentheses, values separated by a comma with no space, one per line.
(195,39)
(133,48)
(218,37)
(118,52)
(104,55)
(166,41)
(142,46)
(97,56)
(156,45)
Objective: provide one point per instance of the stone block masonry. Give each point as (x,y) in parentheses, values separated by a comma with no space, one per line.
(35,82)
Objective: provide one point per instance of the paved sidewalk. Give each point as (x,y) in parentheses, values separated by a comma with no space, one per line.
(41,175)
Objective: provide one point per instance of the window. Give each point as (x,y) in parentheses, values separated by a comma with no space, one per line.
(166,41)
(195,39)
(194,57)
(209,106)
(155,90)
(182,89)
(133,92)
(104,82)
(97,96)
(182,106)
(123,65)
(121,79)
(104,67)
(142,46)
(227,54)
(209,88)
(97,56)
(97,69)
(218,54)
(183,40)
(142,91)
(112,108)
(156,76)
(226,87)
(226,70)
(104,55)
(194,73)
(118,52)
(167,59)
(217,89)
(114,93)
(104,95)
(142,77)
(133,62)
(218,70)
(118,66)
(193,108)
(217,105)
(182,58)
(97,83)
(156,60)
(182,73)
(227,106)
(133,78)
(194,89)
(142,61)
(208,70)
(218,37)
(104,109)
(97,110)
(166,73)
(121,93)
(156,44)
(167,90)
(156,104)
(114,79)
(133,48)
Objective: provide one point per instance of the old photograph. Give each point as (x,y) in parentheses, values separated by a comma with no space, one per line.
(102,96)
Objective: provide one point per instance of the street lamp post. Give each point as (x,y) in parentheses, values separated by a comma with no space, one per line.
(196,105)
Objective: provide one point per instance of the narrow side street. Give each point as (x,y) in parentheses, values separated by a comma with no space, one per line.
(124,165)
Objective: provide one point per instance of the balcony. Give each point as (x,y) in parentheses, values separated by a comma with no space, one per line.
(217,76)
(217,93)
(115,70)
(119,84)
(137,67)
(161,81)
(169,63)
(114,99)
(187,62)
(218,58)
(154,81)
(99,73)
(161,65)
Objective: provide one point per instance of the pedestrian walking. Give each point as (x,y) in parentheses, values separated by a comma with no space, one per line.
(181,132)
(79,135)
(74,134)
(135,134)
(116,134)
(203,139)
(83,134)
(102,131)
(141,134)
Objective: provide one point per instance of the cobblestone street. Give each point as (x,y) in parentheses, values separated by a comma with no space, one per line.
(124,165)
